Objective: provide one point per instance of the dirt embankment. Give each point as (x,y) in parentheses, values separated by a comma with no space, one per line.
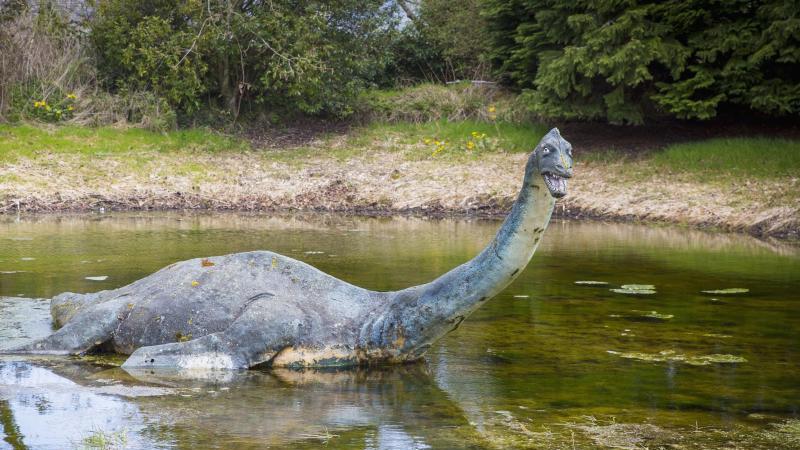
(387,183)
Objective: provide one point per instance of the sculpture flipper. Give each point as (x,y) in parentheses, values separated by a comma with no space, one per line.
(88,329)
(249,341)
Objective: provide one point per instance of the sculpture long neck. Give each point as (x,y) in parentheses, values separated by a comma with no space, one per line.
(431,310)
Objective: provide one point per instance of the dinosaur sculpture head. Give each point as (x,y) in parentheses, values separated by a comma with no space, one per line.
(552,159)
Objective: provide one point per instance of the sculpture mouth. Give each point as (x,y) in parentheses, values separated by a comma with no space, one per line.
(556,184)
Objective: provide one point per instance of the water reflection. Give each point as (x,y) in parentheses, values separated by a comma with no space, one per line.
(390,407)
(41,409)
(46,404)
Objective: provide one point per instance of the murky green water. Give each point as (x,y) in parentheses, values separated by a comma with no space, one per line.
(547,364)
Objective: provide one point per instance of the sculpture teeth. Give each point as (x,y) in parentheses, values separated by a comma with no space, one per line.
(555,183)
(551,180)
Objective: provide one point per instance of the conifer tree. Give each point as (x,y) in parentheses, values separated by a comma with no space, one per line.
(625,60)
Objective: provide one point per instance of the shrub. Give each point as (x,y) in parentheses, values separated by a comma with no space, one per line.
(306,56)
(47,73)
(140,52)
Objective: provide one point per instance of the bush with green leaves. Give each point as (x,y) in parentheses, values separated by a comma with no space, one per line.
(295,55)
(624,61)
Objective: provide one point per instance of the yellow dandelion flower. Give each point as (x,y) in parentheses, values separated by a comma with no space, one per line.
(195,283)
(70,108)
(426,141)
(492,109)
(72,95)
(470,145)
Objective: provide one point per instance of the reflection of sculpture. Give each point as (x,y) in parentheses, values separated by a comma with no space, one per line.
(402,401)
(247,309)
(40,409)
(392,407)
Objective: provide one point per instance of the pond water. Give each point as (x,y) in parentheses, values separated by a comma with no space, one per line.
(546,364)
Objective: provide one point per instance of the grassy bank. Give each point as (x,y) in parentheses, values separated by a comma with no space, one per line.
(440,167)
(29,141)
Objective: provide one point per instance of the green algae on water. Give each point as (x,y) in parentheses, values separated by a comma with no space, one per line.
(98,278)
(671,356)
(655,315)
(591,283)
(728,291)
(719,336)
(623,435)
(639,287)
(634,291)
(103,359)
(106,439)
(788,432)
(716,358)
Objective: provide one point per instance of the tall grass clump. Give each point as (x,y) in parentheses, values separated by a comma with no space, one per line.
(48,74)
(430,102)
(43,59)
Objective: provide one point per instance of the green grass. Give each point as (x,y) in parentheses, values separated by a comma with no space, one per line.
(714,158)
(417,141)
(747,157)
(510,137)
(105,440)
(27,140)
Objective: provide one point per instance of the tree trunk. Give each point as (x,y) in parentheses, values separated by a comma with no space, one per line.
(226,85)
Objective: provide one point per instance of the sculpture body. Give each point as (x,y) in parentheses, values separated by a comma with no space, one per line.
(262,308)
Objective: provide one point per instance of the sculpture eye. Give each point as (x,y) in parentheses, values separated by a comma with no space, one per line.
(546,150)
